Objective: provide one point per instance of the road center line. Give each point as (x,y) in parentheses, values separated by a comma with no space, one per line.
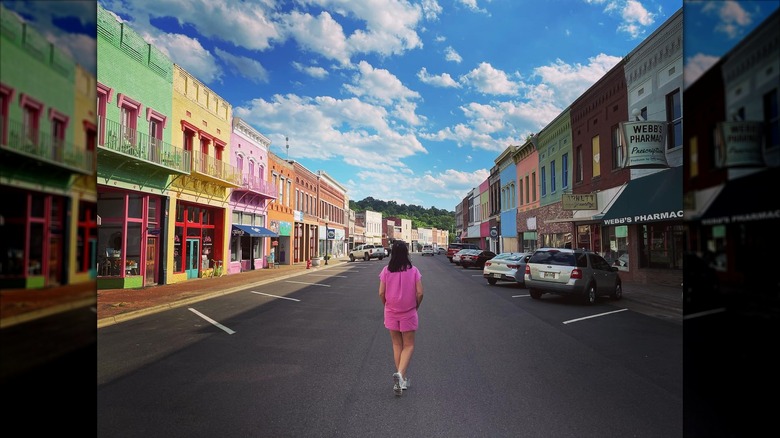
(310,284)
(274,296)
(594,316)
(230,332)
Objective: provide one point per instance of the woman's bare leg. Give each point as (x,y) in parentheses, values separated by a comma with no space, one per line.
(397,347)
(407,348)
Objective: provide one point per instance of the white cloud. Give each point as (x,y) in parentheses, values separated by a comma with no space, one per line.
(246,67)
(189,54)
(431,9)
(379,85)
(321,35)
(471,4)
(733,18)
(406,112)
(451,55)
(442,80)
(567,82)
(636,18)
(489,80)
(696,66)
(313,71)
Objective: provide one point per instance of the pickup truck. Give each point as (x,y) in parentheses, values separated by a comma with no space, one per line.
(367,252)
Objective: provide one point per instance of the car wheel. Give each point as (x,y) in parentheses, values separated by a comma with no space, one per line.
(491,281)
(463,266)
(618,292)
(351,257)
(535,294)
(366,257)
(381,257)
(590,294)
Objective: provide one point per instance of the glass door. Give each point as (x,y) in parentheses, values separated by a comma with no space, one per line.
(151,259)
(192,258)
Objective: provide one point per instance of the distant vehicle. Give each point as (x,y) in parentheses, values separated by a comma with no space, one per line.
(565,271)
(367,252)
(455,247)
(505,266)
(456,257)
(441,250)
(428,249)
(476,258)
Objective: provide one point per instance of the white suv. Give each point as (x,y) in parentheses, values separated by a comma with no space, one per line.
(428,249)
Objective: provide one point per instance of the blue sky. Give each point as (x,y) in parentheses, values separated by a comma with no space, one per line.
(408,101)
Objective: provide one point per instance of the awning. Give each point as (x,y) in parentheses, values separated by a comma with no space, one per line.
(253,231)
(731,206)
(653,198)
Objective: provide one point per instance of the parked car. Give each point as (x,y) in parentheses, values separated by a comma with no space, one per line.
(441,250)
(367,252)
(456,257)
(455,247)
(476,258)
(505,266)
(577,272)
(428,249)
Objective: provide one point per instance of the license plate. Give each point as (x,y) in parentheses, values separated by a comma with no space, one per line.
(496,275)
(549,275)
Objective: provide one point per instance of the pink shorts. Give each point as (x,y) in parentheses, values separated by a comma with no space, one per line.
(407,324)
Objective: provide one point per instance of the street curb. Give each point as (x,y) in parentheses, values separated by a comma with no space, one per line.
(47,311)
(116,319)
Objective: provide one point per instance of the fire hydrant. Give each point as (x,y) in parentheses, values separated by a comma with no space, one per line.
(308,264)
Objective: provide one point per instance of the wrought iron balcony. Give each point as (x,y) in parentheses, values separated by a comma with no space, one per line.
(43,146)
(258,185)
(209,166)
(141,146)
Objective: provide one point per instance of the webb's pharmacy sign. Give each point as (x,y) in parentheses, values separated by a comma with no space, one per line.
(644,143)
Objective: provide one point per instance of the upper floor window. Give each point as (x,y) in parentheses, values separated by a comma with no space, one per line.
(579,173)
(617,148)
(565,171)
(674,117)
(596,147)
(543,181)
(31,110)
(240,163)
(129,110)
(6,94)
(552,176)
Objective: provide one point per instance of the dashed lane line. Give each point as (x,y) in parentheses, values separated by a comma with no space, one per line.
(275,296)
(593,316)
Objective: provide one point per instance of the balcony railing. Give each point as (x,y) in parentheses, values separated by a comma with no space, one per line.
(258,185)
(42,145)
(128,141)
(216,168)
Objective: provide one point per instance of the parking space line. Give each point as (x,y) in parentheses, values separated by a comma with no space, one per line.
(310,284)
(227,330)
(521,296)
(274,296)
(324,275)
(593,316)
(704,313)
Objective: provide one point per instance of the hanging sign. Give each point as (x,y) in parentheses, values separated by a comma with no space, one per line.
(739,144)
(644,144)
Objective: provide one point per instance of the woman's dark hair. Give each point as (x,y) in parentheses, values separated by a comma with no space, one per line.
(399,257)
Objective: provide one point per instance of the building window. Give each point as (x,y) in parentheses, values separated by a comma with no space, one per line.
(6,95)
(86,251)
(129,110)
(580,174)
(617,149)
(533,187)
(596,148)
(771,120)
(552,176)
(565,171)
(103,97)
(543,181)
(674,117)
(59,124)
(31,124)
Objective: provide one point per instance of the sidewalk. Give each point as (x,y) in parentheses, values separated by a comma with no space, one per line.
(116,305)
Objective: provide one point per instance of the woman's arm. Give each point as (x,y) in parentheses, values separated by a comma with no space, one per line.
(382,291)
(419,293)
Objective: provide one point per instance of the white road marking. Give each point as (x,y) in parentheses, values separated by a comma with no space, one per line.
(520,296)
(310,284)
(275,296)
(594,316)
(705,313)
(230,332)
(323,275)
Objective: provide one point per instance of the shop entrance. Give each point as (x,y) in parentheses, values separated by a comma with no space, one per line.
(151,253)
(192,258)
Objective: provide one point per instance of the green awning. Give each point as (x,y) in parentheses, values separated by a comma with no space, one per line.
(730,205)
(654,198)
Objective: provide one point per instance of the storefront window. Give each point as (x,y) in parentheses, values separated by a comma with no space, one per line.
(110,244)
(178,253)
(34,266)
(133,254)
(557,240)
(716,247)
(662,247)
(135,206)
(256,248)
(616,246)
(235,242)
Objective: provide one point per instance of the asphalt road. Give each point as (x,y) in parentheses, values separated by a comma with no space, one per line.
(308,356)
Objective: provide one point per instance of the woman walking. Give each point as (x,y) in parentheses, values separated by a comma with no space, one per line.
(401,292)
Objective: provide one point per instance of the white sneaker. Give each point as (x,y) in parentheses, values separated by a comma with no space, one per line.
(406,384)
(398,382)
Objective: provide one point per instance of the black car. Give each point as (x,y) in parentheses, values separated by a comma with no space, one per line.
(476,259)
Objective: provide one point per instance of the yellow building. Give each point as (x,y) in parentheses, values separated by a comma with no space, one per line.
(199,223)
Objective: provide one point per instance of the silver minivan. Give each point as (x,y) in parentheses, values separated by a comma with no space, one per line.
(565,271)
